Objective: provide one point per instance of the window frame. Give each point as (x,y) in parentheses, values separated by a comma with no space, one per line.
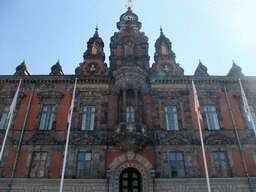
(211,118)
(33,161)
(84,126)
(220,166)
(176,122)
(52,118)
(85,176)
(183,170)
(6,113)
(130,114)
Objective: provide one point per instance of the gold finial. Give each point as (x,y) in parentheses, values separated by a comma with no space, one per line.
(129,4)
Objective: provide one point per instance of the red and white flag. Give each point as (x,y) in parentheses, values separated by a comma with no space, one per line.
(246,106)
(197,104)
(72,104)
(14,101)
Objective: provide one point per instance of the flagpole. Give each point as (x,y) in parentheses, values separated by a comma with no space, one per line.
(246,106)
(205,163)
(10,115)
(67,140)
(198,110)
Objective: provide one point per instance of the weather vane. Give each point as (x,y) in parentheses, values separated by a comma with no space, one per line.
(129,4)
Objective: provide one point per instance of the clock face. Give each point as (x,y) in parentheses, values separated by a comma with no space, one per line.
(129,18)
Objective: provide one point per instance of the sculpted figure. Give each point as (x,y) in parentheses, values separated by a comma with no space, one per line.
(164,50)
(95,48)
(129,48)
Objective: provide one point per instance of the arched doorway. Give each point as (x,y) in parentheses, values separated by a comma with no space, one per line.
(130,180)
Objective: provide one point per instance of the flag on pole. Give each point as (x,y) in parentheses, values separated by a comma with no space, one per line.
(246,106)
(12,108)
(197,104)
(14,101)
(72,104)
(67,140)
(199,116)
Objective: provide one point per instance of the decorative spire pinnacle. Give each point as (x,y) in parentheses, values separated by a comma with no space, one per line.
(233,63)
(129,4)
(161,32)
(96,34)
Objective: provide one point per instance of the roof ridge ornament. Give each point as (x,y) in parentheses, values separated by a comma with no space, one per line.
(96,34)
(129,4)
(161,32)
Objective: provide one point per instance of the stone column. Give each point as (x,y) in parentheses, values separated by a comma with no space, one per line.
(136,106)
(124,106)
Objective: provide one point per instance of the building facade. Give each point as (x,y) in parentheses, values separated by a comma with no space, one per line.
(134,127)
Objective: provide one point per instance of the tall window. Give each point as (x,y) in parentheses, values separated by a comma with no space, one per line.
(47,117)
(38,164)
(83,164)
(253,118)
(4,120)
(221,164)
(171,118)
(211,118)
(129,114)
(177,164)
(88,118)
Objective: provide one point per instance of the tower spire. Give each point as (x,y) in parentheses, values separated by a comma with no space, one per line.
(129,4)
(96,34)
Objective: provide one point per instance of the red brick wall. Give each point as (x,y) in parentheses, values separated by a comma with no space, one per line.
(201,162)
(119,51)
(21,163)
(61,123)
(111,110)
(139,51)
(149,108)
(239,163)
(235,111)
(22,111)
(150,156)
(225,112)
(56,163)
(99,115)
(111,155)
(125,33)
(31,120)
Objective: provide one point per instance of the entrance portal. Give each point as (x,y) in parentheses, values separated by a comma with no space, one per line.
(130,180)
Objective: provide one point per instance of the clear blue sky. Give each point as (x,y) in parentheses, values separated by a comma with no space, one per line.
(43,31)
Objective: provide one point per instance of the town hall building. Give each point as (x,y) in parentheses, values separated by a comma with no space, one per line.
(134,127)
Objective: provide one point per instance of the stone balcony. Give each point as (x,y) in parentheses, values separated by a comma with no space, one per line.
(131,136)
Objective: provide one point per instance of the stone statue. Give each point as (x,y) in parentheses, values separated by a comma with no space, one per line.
(95,48)
(129,48)
(164,50)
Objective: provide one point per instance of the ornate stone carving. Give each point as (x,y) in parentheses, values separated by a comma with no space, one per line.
(235,71)
(92,68)
(22,69)
(201,70)
(50,94)
(56,69)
